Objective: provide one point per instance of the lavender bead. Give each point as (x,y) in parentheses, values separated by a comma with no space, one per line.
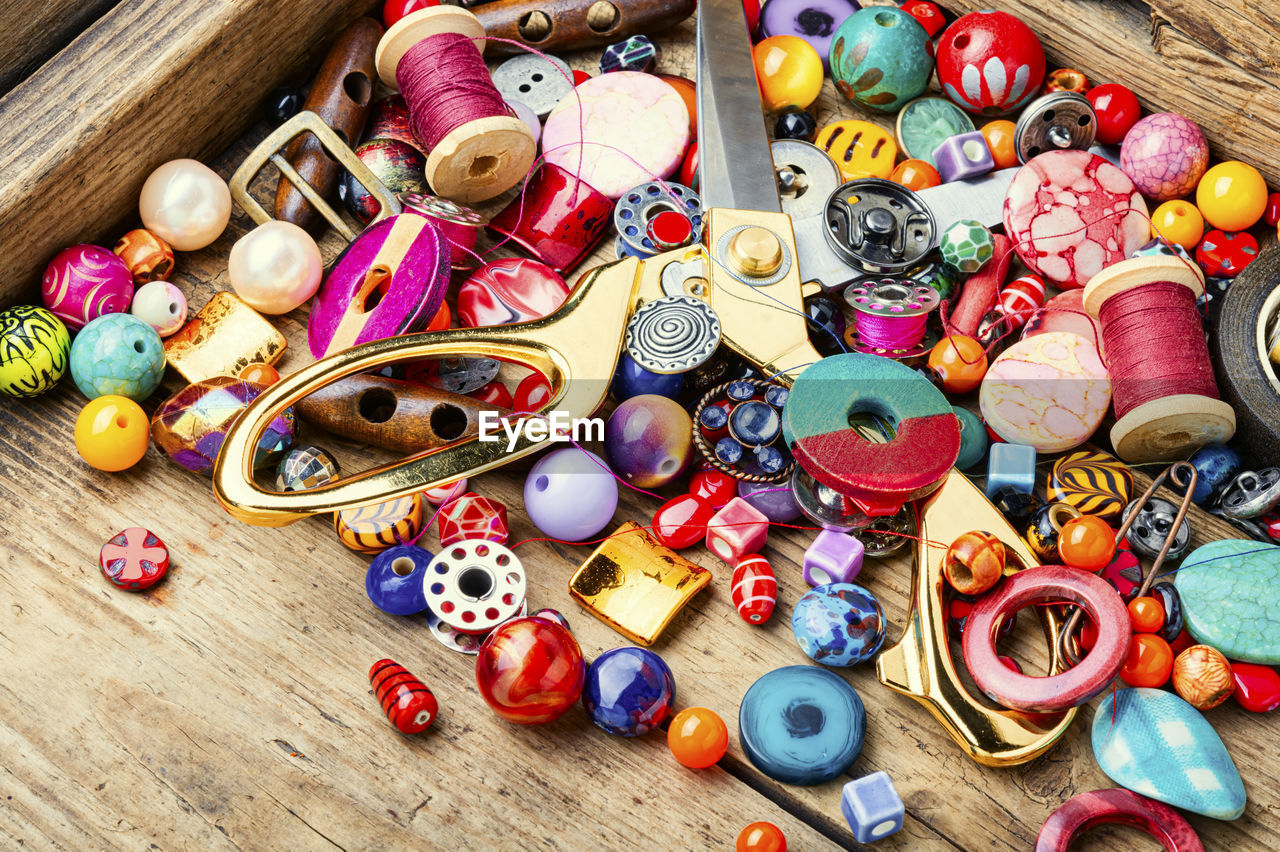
(872,806)
(775,500)
(964,155)
(525,113)
(834,557)
(570,494)
(815,21)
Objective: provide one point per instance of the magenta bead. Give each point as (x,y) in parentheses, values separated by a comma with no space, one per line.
(570,494)
(1165,155)
(85,282)
(649,440)
(737,530)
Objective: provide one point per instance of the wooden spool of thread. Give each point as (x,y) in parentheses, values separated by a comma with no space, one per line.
(478,148)
(1162,385)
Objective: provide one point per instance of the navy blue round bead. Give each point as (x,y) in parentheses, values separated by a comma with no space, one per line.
(770,459)
(630,379)
(777,396)
(795,123)
(394,579)
(729,451)
(1216,465)
(740,391)
(755,423)
(713,418)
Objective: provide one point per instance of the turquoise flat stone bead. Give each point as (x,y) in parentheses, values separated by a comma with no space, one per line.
(1158,745)
(1230,592)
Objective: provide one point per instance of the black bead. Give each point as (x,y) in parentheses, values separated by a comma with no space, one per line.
(283,104)
(795,123)
(1016,506)
(826,324)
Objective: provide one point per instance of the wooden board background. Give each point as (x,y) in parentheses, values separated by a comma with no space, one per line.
(229,706)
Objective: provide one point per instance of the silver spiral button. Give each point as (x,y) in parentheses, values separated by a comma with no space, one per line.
(673,334)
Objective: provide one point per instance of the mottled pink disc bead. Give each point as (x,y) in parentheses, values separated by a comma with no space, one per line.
(1165,155)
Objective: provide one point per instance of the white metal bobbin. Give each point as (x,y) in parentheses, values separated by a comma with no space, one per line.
(475,585)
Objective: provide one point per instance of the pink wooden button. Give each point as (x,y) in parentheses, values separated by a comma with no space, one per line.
(1075,686)
(1081,813)
(617,131)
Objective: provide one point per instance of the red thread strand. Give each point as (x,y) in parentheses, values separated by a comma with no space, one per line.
(1155,345)
(446,84)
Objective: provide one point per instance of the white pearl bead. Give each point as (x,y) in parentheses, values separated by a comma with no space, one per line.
(186,204)
(161,305)
(275,267)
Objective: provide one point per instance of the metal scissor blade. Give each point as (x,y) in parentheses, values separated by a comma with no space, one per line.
(735,168)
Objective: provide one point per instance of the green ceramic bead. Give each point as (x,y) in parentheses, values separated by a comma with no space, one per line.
(881,58)
(973,438)
(966,245)
(117,354)
(1230,592)
(926,123)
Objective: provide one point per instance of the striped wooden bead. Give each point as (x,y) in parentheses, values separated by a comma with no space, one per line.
(755,589)
(373,529)
(409,705)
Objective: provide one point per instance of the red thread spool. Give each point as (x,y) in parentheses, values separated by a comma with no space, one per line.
(478,148)
(1162,385)
(409,705)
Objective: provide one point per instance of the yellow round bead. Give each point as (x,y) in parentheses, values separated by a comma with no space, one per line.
(860,149)
(789,72)
(112,433)
(1178,222)
(1232,196)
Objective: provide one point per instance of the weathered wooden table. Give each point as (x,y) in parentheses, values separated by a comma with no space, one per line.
(229,706)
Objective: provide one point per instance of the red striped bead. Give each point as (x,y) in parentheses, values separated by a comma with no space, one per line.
(755,589)
(409,705)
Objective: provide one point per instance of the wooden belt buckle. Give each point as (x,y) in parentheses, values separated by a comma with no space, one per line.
(269,151)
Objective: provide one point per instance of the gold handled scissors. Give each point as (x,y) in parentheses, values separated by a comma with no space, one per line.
(746,271)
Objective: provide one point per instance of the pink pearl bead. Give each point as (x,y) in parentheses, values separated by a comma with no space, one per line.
(275,267)
(161,305)
(186,204)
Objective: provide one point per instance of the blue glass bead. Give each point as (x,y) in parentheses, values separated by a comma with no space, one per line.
(394,579)
(729,451)
(713,418)
(973,438)
(1016,506)
(777,396)
(838,624)
(1216,465)
(1011,464)
(630,379)
(770,460)
(775,500)
(117,354)
(802,725)
(740,391)
(795,123)
(872,806)
(629,691)
(755,423)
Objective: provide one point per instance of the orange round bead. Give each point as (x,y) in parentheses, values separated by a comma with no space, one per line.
(442,319)
(1087,543)
(1232,196)
(260,374)
(762,837)
(1066,80)
(789,72)
(112,433)
(697,737)
(1203,677)
(974,562)
(999,136)
(960,363)
(1146,615)
(915,174)
(1178,222)
(1149,661)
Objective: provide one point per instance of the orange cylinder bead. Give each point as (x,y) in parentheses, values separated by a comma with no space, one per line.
(762,837)
(915,174)
(1146,615)
(1149,661)
(1087,543)
(999,136)
(698,737)
(112,433)
(960,363)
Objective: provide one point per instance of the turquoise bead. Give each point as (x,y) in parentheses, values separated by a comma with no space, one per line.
(1158,745)
(1230,592)
(117,354)
(973,438)
(881,58)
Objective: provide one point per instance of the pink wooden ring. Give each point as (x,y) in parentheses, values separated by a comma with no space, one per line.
(1049,583)
(1081,813)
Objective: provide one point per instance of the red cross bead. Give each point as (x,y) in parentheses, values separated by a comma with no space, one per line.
(134,559)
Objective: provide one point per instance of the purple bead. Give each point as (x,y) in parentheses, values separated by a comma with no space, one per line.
(815,21)
(834,557)
(394,579)
(570,494)
(1165,155)
(649,440)
(872,806)
(964,155)
(630,379)
(775,500)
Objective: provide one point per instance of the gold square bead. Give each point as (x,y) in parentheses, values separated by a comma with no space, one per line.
(224,338)
(635,584)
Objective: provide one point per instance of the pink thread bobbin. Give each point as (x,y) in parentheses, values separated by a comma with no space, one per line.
(478,148)
(890,315)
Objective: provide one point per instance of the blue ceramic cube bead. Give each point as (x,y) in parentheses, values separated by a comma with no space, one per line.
(833,557)
(872,806)
(964,155)
(1011,464)
(394,580)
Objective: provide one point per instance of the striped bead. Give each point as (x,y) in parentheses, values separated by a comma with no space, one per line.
(1020,298)
(373,529)
(409,705)
(755,589)
(1095,483)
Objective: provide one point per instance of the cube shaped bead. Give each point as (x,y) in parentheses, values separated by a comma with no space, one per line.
(964,155)
(1011,464)
(736,530)
(872,806)
(833,557)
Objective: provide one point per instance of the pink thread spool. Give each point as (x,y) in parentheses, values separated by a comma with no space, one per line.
(890,315)
(478,149)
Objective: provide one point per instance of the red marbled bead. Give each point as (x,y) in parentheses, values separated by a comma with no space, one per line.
(714,486)
(1257,687)
(754,589)
(513,289)
(472,517)
(409,705)
(682,521)
(134,559)
(927,14)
